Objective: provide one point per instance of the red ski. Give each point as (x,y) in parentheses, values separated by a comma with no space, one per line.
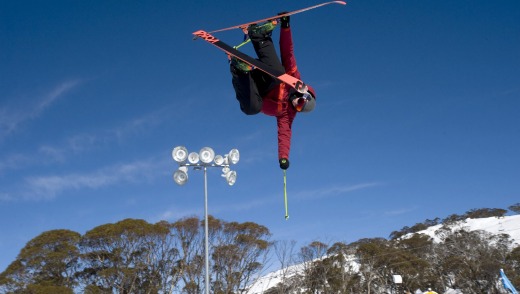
(297,84)
(245,25)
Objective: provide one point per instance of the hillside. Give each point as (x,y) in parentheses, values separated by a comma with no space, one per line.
(495,225)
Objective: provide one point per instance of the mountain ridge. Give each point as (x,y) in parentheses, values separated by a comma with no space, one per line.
(509,225)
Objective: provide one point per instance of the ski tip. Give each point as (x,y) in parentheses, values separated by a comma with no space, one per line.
(286,217)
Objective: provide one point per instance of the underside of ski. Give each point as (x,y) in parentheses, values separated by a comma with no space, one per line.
(245,25)
(295,83)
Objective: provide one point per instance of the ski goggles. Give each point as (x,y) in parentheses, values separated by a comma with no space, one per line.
(302,101)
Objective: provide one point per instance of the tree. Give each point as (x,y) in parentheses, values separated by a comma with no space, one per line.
(342,276)
(129,256)
(284,251)
(485,212)
(411,260)
(470,260)
(239,255)
(514,259)
(134,256)
(453,218)
(314,270)
(515,208)
(47,264)
(162,258)
(189,239)
(414,229)
(371,254)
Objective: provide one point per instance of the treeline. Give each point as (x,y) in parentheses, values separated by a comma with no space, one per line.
(134,256)
(468,261)
(473,213)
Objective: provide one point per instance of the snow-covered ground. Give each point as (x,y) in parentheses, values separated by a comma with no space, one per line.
(504,225)
(272,279)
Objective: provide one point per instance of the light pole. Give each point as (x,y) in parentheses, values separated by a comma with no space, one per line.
(202,160)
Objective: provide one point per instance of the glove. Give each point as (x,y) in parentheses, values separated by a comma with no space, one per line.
(284,163)
(285,20)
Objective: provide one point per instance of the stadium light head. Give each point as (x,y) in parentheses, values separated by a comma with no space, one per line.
(205,158)
(225,170)
(219,160)
(179,154)
(206,155)
(234,156)
(231,177)
(193,158)
(180,176)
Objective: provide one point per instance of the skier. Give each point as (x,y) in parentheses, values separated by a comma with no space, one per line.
(430,291)
(259,92)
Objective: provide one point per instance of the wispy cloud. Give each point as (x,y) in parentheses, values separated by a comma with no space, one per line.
(11,119)
(54,95)
(13,161)
(140,124)
(399,211)
(82,143)
(86,141)
(49,187)
(177,213)
(4,197)
(335,190)
(74,145)
(244,206)
(256,203)
(248,205)
(48,154)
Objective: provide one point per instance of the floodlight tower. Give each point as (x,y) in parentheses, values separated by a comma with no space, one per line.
(202,160)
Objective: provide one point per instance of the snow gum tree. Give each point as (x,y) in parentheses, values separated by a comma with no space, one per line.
(134,256)
(238,255)
(130,256)
(47,264)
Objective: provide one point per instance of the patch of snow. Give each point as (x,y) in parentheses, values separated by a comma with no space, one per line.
(495,225)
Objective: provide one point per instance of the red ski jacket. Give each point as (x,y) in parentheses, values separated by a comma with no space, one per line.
(276,102)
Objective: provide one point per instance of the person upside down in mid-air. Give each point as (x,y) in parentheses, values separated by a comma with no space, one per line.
(257,91)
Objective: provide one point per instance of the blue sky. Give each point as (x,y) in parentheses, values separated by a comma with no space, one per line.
(416,117)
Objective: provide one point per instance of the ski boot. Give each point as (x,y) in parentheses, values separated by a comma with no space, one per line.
(264,29)
(239,65)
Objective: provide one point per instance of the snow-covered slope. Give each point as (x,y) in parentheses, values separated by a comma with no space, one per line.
(503,225)
(272,279)
(495,225)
